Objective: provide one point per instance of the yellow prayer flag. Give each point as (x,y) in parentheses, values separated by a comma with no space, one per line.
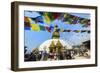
(61,30)
(35,27)
(78,31)
(46,18)
(27,19)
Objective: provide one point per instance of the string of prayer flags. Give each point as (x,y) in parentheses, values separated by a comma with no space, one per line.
(35,27)
(49,29)
(61,30)
(42,28)
(46,18)
(67,31)
(27,23)
(38,19)
(49,17)
(77,31)
(82,31)
(72,19)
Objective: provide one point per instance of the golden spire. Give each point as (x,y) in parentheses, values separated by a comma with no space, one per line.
(59,44)
(56,34)
(52,44)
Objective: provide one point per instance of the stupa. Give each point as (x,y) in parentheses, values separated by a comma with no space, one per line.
(55,44)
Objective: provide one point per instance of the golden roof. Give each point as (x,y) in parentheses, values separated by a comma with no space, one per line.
(59,44)
(52,44)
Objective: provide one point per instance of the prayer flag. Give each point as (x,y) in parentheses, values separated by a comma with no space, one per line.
(42,27)
(35,27)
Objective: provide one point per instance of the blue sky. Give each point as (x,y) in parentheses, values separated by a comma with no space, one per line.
(33,39)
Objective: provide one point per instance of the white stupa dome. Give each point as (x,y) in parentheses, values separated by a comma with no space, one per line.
(47,43)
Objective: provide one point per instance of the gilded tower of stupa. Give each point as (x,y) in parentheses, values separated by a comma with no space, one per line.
(56,47)
(56,34)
